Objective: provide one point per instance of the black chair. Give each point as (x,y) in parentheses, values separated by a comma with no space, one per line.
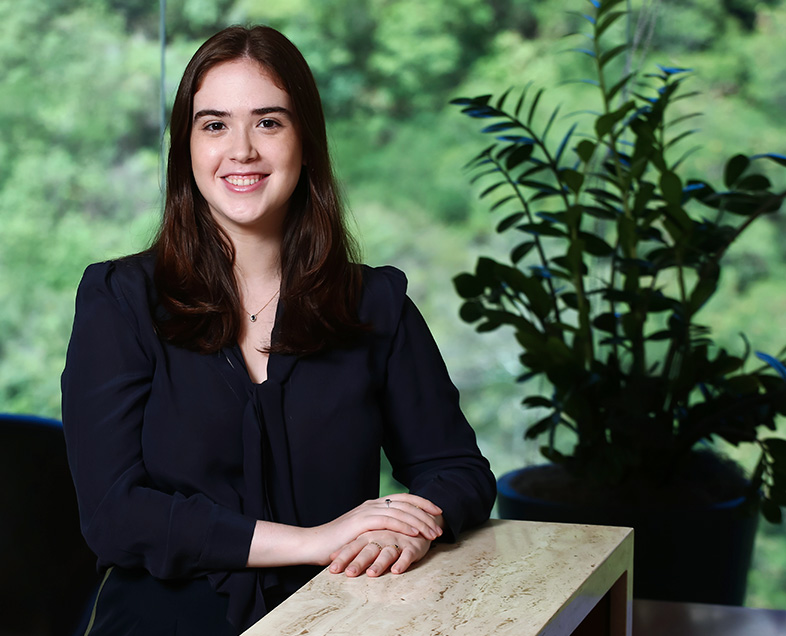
(47,573)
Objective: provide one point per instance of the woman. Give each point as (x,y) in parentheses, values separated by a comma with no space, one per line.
(226,392)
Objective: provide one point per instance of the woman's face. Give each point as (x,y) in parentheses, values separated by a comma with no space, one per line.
(246,150)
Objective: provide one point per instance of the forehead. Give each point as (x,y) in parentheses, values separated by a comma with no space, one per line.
(241,82)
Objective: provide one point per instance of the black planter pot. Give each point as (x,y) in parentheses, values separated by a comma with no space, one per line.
(688,555)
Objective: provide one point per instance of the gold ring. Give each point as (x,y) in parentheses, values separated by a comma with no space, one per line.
(395,547)
(376,544)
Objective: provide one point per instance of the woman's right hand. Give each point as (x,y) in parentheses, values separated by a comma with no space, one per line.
(405,513)
(275,544)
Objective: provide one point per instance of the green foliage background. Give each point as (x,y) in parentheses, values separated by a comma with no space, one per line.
(80,160)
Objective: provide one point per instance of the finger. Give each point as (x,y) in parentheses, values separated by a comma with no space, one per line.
(368,555)
(342,557)
(415,517)
(414,500)
(360,552)
(387,556)
(407,558)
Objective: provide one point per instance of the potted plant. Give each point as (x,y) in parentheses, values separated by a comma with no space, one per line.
(614,254)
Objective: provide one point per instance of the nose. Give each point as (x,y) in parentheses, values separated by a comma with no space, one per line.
(242,148)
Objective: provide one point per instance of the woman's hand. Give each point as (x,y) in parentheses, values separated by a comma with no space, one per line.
(275,544)
(377,551)
(401,513)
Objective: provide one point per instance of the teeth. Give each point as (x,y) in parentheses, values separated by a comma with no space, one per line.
(242,181)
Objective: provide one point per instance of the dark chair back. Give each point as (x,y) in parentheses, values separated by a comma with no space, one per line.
(47,573)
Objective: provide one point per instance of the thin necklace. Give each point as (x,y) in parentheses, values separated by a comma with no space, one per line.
(253,317)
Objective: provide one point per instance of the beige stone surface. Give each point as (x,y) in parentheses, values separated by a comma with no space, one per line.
(507,577)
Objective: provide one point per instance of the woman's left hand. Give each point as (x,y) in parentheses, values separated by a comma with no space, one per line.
(377,551)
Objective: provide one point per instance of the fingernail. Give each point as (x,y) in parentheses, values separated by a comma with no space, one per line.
(351,570)
(372,570)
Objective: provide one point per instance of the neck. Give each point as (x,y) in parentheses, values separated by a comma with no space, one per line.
(257,260)
(257,257)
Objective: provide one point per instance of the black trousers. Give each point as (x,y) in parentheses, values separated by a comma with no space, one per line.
(133,603)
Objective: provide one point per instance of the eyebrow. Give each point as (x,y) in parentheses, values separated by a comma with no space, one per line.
(209,112)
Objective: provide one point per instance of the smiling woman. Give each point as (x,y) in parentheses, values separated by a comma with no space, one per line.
(227,392)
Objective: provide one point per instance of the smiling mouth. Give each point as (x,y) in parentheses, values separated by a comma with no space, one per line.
(243,181)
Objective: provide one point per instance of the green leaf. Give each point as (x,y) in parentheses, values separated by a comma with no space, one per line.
(509,221)
(468,286)
(483,173)
(749,204)
(734,169)
(491,189)
(534,401)
(503,97)
(585,149)
(502,202)
(605,6)
(521,250)
(532,288)
(607,21)
(574,180)
(521,154)
(671,187)
(540,186)
(606,322)
(485,271)
(595,245)
(487,326)
(539,427)
(704,289)
(549,123)
(541,229)
(619,86)
(564,143)
(643,196)
(471,311)
(601,213)
(605,123)
(674,141)
(500,126)
(754,182)
(610,55)
(533,107)
(570,299)
(522,98)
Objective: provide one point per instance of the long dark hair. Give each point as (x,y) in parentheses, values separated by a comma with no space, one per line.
(320,282)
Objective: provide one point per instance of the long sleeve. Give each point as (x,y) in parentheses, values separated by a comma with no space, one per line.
(127,519)
(430,445)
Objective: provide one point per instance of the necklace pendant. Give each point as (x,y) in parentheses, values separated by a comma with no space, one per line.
(253,317)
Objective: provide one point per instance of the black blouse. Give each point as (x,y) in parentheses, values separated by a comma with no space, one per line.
(176,454)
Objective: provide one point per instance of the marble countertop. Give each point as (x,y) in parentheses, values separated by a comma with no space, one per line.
(506,577)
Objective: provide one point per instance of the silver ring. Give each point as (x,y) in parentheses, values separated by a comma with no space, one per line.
(387,501)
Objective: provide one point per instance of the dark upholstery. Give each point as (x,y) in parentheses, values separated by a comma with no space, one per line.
(47,573)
